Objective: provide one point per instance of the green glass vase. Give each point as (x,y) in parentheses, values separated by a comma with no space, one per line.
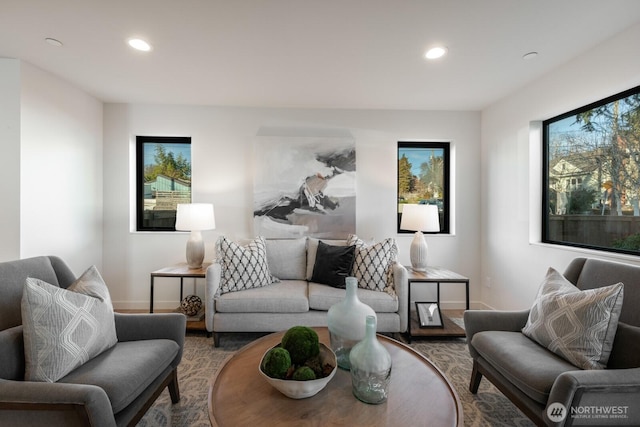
(370,367)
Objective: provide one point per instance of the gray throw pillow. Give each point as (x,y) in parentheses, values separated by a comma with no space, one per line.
(62,330)
(577,325)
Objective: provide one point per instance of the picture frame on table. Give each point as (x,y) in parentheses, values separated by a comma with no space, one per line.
(429,315)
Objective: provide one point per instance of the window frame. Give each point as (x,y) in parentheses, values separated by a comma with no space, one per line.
(445,213)
(581,181)
(140,192)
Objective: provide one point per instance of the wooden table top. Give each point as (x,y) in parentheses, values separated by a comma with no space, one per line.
(418,392)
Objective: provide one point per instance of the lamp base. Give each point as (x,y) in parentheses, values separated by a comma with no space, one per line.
(195,250)
(418,252)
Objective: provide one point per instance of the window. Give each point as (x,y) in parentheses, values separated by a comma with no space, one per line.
(591,175)
(163,169)
(423,178)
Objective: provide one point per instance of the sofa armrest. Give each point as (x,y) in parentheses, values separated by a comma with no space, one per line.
(212,283)
(54,404)
(601,389)
(145,326)
(492,320)
(401,284)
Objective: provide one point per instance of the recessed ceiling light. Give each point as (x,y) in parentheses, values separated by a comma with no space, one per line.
(53,42)
(139,44)
(530,55)
(436,52)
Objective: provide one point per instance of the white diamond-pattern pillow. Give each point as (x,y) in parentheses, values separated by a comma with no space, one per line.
(243,267)
(62,330)
(373,265)
(577,325)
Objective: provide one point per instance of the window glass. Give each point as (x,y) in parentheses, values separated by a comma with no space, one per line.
(423,178)
(591,165)
(163,167)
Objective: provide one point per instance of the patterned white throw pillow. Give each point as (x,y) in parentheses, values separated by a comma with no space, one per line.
(243,267)
(62,330)
(577,325)
(373,265)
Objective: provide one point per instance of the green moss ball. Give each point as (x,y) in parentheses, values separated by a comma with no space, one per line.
(304,373)
(276,363)
(302,343)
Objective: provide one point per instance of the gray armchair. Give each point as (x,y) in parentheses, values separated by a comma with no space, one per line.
(533,378)
(115,388)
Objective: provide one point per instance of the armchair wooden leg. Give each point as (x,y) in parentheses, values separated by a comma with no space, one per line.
(174,390)
(216,339)
(476,377)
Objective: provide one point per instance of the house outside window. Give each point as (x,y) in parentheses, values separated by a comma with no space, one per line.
(591,175)
(163,180)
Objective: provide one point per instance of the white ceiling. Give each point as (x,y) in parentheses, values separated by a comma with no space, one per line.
(307,53)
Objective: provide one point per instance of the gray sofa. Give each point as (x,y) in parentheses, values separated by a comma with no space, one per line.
(295,300)
(534,378)
(113,389)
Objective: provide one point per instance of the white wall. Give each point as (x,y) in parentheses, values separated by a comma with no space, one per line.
(10,159)
(222,141)
(51,168)
(511,171)
(61,171)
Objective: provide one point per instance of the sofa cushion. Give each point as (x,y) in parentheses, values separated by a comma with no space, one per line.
(526,364)
(243,267)
(126,369)
(287,258)
(373,266)
(579,326)
(322,297)
(62,330)
(312,249)
(333,264)
(288,296)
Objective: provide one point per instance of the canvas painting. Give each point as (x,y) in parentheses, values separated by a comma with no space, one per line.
(305,186)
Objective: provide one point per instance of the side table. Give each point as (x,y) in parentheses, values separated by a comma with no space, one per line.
(438,276)
(181,271)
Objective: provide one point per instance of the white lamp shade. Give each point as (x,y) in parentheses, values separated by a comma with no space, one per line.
(420,218)
(195,217)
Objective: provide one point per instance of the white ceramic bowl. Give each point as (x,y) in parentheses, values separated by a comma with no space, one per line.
(303,389)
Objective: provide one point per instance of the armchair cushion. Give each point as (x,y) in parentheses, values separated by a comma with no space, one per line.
(62,330)
(126,370)
(243,267)
(373,264)
(579,326)
(526,364)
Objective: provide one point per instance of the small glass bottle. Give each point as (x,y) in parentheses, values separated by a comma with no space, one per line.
(346,321)
(370,367)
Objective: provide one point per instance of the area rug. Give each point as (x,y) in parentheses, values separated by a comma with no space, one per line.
(201,360)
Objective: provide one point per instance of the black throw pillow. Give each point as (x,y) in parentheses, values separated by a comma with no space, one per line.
(333,264)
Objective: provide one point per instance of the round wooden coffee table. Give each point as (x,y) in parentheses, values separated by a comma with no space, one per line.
(419,394)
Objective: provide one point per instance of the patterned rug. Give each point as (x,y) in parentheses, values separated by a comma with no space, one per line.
(201,360)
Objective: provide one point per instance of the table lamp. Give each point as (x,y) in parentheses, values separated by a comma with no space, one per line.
(195,217)
(419,218)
